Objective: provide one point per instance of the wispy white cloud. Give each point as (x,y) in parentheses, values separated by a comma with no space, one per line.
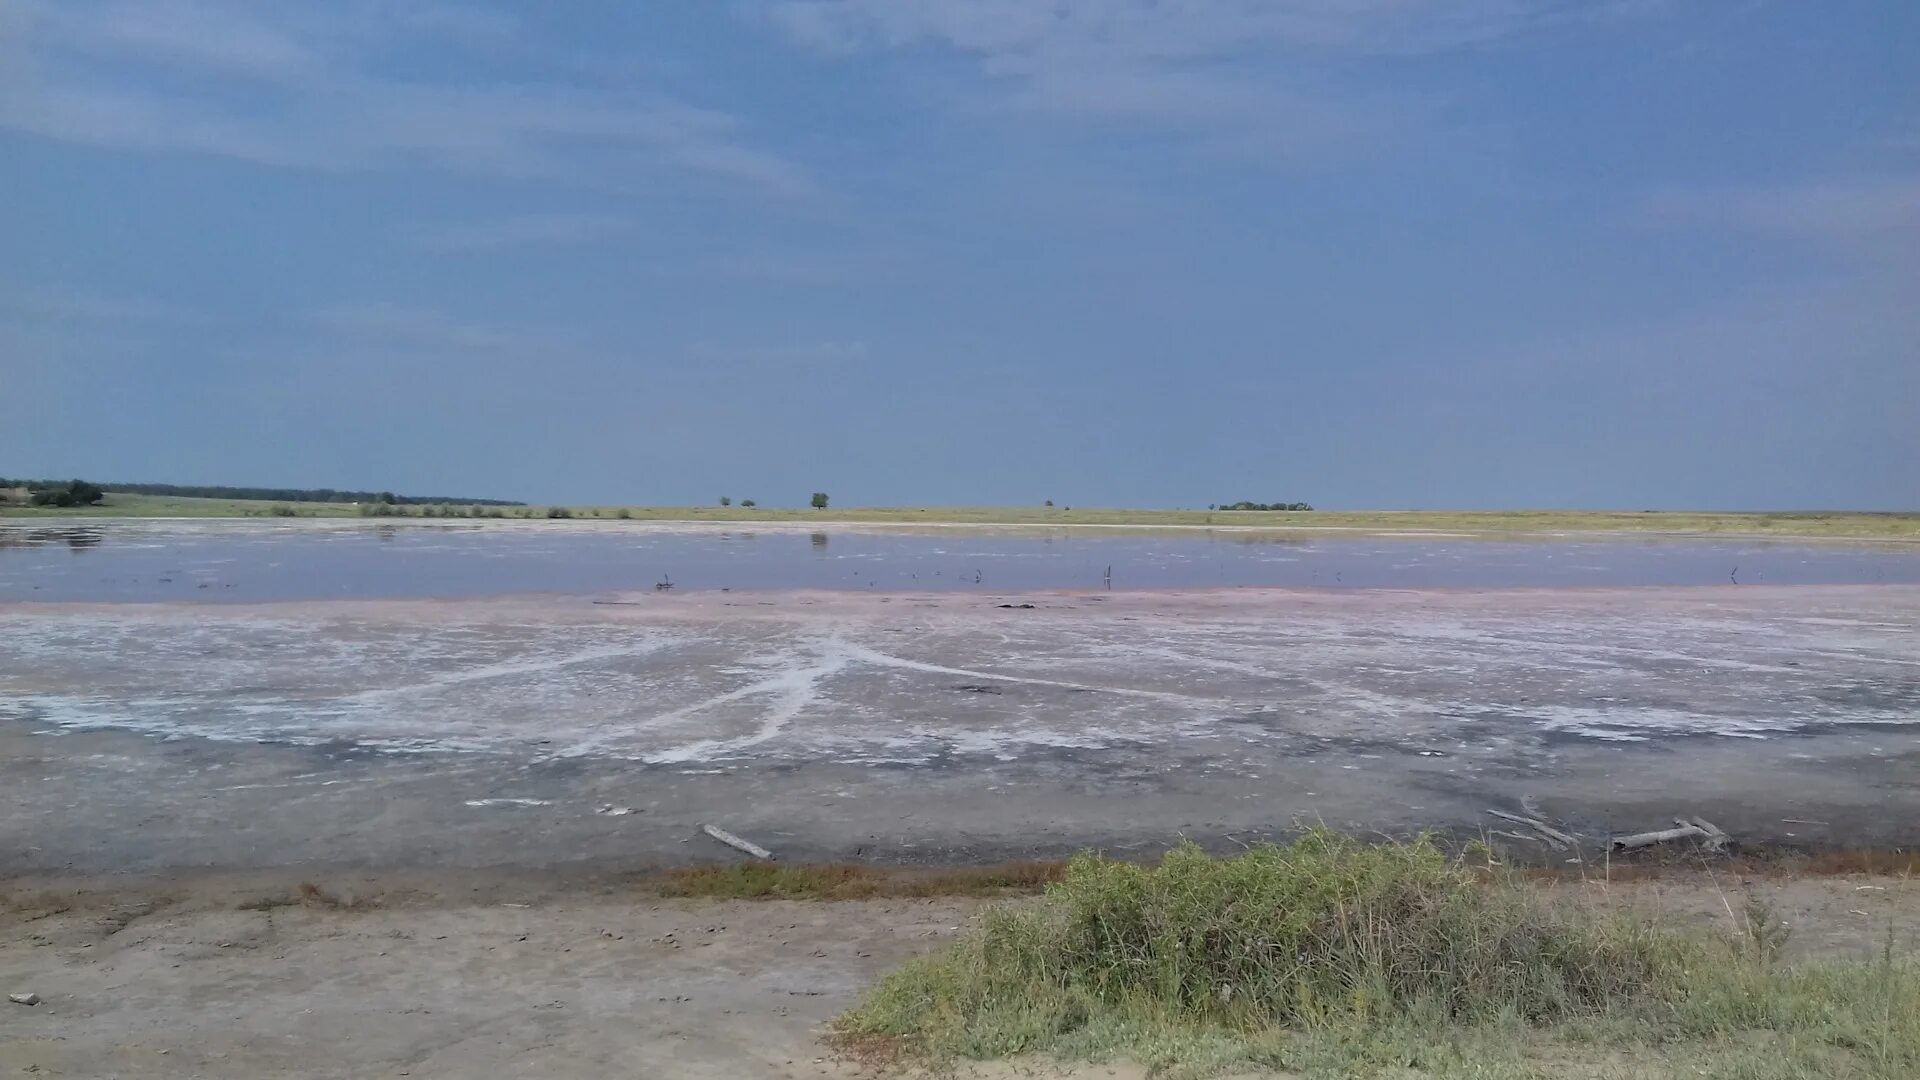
(1216,70)
(782,265)
(176,35)
(370,335)
(303,85)
(417,329)
(1229,113)
(790,352)
(1186,29)
(1861,213)
(532,231)
(792,266)
(63,306)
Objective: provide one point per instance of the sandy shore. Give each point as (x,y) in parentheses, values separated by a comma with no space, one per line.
(455,976)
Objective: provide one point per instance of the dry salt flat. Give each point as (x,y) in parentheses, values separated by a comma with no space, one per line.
(938,724)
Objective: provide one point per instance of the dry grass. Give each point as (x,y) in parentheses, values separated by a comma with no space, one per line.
(1857,861)
(857,881)
(1835,524)
(1332,957)
(307,894)
(1752,862)
(846,881)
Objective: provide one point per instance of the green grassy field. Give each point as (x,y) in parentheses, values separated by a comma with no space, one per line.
(120,504)
(1826,524)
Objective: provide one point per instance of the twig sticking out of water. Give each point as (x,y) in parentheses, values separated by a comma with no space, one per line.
(1711,836)
(1560,841)
(735,842)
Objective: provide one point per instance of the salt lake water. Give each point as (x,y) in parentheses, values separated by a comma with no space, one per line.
(235,561)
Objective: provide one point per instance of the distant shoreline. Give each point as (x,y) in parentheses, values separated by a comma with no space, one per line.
(1848,525)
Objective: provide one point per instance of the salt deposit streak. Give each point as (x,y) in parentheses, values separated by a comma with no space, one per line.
(1209,680)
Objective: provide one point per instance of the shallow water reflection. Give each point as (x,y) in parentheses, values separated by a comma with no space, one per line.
(231,561)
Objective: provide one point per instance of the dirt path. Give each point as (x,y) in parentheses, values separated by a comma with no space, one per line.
(571,988)
(477,981)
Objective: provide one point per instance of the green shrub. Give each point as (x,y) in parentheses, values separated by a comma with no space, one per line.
(1326,926)
(1339,957)
(64,496)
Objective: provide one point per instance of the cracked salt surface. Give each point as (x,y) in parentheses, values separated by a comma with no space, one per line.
(1220,682)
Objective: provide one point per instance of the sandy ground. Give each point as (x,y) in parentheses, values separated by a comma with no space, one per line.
(458,978)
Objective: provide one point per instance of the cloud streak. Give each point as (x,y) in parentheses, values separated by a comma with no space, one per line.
(1190,29)
(1244,79)
(1839,211)
(792,352)
(413,329)
(532,231)
(301,86)
(58,306)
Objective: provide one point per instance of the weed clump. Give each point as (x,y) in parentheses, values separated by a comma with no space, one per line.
(308,895)
(1331,954)
(1324,926)
(844,881)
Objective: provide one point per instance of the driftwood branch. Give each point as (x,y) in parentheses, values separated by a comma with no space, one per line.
(1659,836)
(733,841)
(1717,837)
(1707,825)
(1709,835)
(1528,837)
(1553,836)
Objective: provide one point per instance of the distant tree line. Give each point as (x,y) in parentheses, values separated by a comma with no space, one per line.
(56,492)
(321,495)
(1261,506)
(442,510)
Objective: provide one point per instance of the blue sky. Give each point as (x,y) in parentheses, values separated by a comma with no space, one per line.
(1370,253)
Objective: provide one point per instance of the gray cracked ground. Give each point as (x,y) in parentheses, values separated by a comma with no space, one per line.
(495,733)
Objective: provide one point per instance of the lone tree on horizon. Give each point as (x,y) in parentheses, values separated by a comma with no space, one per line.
(725,501)
(819,500)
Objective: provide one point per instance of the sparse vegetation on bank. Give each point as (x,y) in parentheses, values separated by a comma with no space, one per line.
(50,494)
(1836,525)
(262,494)
(780,881)
(1333,957)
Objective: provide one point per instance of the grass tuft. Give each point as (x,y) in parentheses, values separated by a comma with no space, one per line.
(307,894)
(846,881)
(1337,957)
